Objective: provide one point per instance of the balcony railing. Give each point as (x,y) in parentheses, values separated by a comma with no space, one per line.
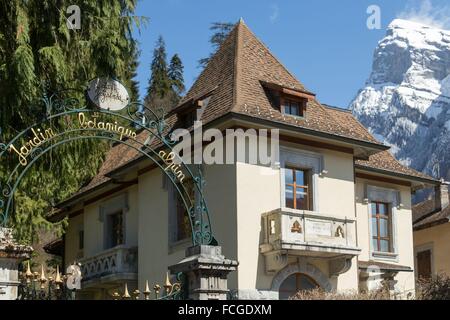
(112,263)
(289,232)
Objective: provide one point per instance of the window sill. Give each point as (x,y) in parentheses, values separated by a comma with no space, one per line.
(179,245)
(391,256)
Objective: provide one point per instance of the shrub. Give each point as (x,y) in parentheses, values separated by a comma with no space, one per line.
(437,288)
(319,294)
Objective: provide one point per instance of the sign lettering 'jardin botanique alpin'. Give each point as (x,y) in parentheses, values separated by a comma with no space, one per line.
(107,94)
(41,135)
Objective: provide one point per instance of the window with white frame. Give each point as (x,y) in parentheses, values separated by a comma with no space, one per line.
(299,174)
(381,226)
(382,204)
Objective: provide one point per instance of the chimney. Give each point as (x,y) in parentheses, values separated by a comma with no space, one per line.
(441,194)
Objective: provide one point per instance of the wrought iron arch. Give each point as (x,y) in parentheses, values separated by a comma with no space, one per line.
(139,117)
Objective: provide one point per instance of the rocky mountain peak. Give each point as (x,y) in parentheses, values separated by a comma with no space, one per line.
(406,99)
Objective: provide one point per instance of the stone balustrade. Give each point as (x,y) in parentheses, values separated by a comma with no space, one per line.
(289,232)
(111,262)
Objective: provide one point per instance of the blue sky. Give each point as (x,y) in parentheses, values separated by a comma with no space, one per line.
(325,43)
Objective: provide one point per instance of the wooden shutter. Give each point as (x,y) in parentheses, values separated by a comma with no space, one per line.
(424,264)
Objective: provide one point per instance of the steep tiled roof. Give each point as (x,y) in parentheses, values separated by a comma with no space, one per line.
(234,79)
(237,72)
(423,209)
(386,162)
(382,160)
(425,215)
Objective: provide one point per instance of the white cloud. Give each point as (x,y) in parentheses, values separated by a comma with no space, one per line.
(275,13)
(427,13)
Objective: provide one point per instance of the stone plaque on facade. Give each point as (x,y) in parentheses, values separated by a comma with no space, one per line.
(319,228)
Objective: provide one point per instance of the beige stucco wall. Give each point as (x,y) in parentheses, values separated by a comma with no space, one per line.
(258,191)
(438,239)
(402,231)
(336,187)
(93,231)
(72,253)
(153,230)
(132,216)
(221,197)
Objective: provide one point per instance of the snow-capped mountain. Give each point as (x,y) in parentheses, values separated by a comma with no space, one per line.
(406,100)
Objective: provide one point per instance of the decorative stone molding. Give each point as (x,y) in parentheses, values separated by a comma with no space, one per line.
(114,262)
(309,160)
(275,260)
(206,270)
(305,268)
(339,266)
(292,233)
(253,294)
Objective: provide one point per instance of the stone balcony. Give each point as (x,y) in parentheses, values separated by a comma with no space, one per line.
(110,267)
(289,233)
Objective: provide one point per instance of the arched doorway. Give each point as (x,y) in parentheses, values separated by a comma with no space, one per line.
(294,283)
(307,270)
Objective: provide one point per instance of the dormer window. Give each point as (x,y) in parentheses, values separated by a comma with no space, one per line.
(291,107)
(294,107)
(287,100)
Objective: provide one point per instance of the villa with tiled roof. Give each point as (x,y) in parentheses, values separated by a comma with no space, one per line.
(334,212)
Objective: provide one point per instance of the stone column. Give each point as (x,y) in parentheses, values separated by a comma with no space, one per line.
(206,270)
(11,254)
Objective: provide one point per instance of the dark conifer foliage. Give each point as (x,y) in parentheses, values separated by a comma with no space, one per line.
(166,83)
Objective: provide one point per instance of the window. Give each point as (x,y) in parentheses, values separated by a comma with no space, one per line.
(115,229)
(381,227)
(424,264)
(81,239)
(297,189)
(292,107)
(183,225)
(294,283)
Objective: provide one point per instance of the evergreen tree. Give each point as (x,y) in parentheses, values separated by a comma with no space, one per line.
(166,83)
(37,47)
(176,77)
(159,82)
(130,74)
(220,32)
